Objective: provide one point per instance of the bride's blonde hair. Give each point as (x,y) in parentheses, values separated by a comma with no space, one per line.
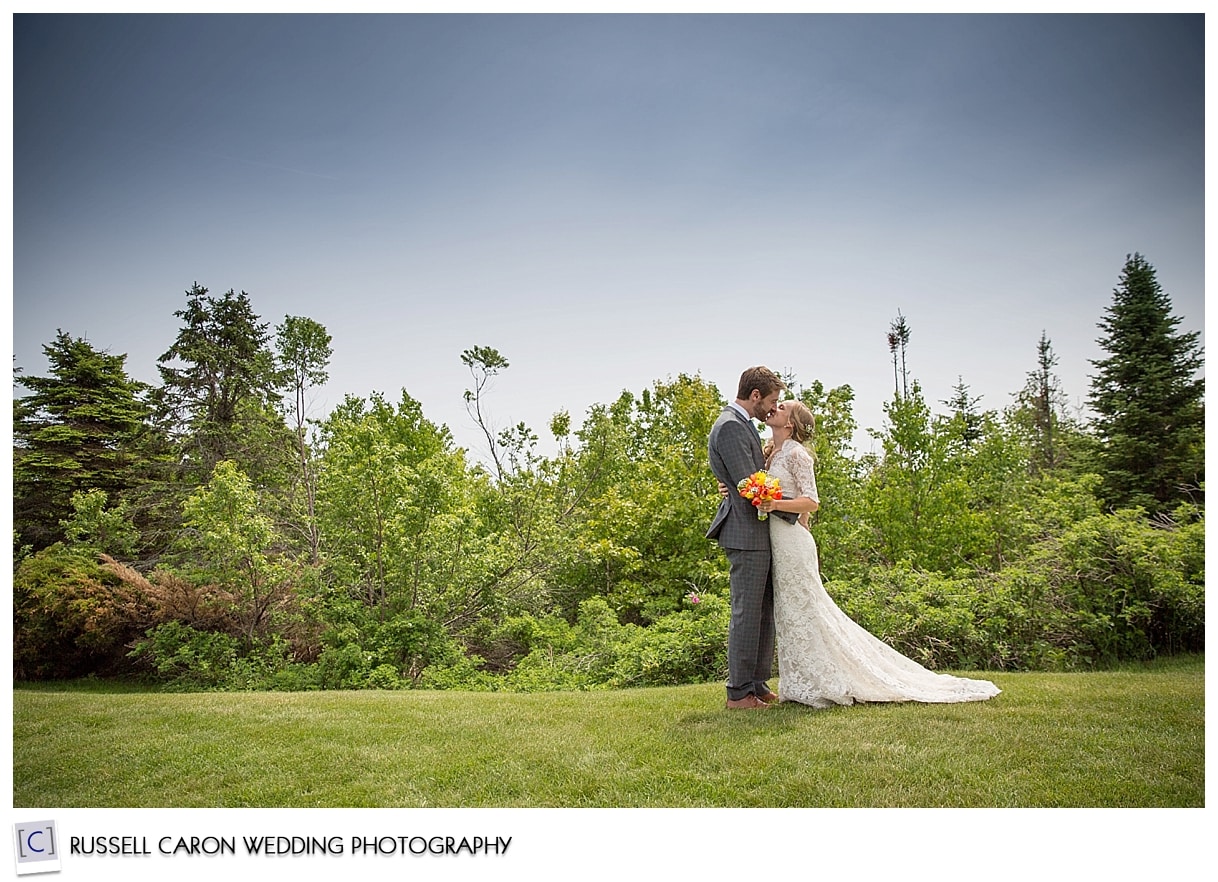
(803,424)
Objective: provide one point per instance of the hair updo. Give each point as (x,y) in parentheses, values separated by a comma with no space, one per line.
(803,425)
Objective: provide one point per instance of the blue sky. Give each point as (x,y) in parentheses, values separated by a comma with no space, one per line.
(610,200)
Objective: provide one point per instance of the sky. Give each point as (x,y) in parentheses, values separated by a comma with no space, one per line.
(610,201)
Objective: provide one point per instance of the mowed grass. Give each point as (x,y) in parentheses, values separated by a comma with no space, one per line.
(1131,737)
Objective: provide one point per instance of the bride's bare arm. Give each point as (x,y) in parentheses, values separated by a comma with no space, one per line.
(801,504)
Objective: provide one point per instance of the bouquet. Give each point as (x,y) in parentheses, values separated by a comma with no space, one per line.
(757,488)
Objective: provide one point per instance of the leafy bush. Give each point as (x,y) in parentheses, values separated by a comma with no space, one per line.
(1107,588)
(599,652)
(343,667)
(466,672)
(258,667)
(407,644)
(564,656)
(688,646)
(294,677)
(1136,588)
(383,677)
(363,653)
(95,526)
(186,658)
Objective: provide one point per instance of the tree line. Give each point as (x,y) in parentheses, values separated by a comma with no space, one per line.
(204,533)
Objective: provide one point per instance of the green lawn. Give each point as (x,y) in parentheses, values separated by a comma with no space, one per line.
(1132,737)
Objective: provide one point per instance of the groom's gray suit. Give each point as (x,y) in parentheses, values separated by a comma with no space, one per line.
(735,453)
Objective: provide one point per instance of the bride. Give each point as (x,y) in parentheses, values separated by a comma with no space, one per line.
(824,657)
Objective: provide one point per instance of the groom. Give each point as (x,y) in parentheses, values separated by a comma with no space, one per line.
(735,453)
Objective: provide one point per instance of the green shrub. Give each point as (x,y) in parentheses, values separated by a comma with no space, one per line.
(687,646)
(383,677)
(361,652)
(294,677)
(560,655)
(258,667)
(464,672)
(183,657)
(1108,588)
(407,643)
(343,667)
(1135,588)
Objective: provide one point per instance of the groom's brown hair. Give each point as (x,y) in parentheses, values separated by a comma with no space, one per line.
(760,378)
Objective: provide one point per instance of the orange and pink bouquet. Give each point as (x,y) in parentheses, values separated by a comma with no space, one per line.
(757,488)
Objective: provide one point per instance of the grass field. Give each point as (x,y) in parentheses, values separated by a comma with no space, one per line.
(1130,737)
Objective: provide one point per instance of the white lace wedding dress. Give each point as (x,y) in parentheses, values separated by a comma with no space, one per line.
(824,657)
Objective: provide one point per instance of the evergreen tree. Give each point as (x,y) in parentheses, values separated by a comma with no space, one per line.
(73,433)
(1044,392)
(1147,396)
(1038,410)
(218,393)
(964,411)
(1058,441)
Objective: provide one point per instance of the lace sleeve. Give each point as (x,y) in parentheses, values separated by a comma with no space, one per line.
(798,461)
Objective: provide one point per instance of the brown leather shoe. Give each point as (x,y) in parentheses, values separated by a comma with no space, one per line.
(769,697)
(749,702)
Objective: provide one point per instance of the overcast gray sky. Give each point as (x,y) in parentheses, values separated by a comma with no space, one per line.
(610,200)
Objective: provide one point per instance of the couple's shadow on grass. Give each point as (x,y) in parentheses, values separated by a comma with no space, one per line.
(781,716)
(793,716)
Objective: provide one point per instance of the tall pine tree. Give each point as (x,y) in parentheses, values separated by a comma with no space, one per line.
(218,397)
(1147,396)
(73,432)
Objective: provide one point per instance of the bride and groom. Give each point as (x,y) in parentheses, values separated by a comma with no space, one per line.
(824,657)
